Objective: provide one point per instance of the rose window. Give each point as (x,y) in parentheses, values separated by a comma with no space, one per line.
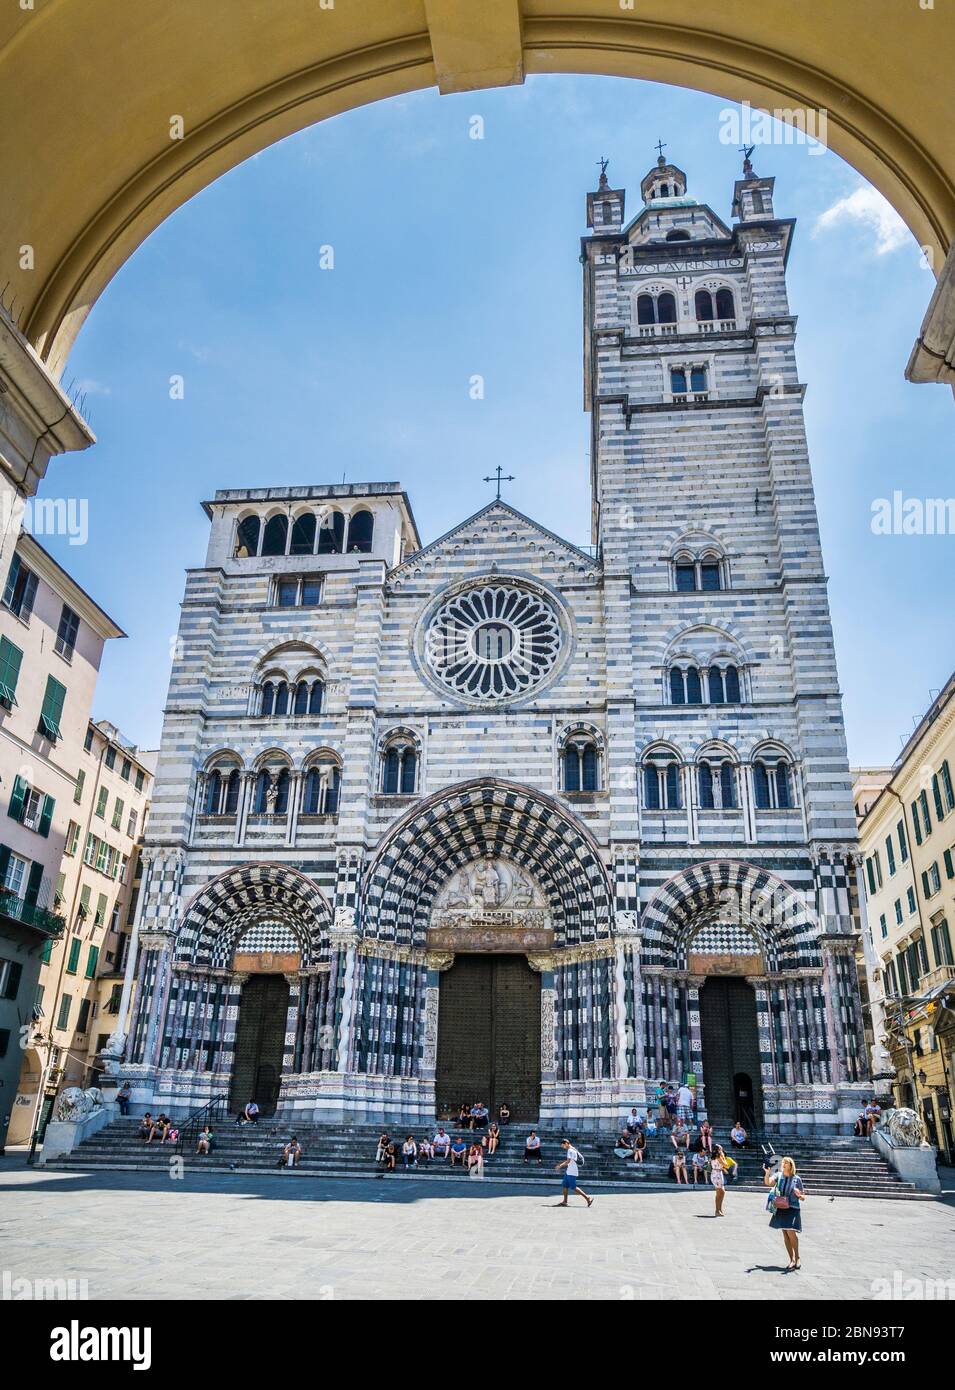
(493,642)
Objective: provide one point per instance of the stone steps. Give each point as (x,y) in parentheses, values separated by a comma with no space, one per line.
(832,1168)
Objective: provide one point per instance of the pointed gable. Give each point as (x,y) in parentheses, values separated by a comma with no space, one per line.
(498,537)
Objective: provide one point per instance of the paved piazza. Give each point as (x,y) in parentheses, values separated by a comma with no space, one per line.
(140,1236)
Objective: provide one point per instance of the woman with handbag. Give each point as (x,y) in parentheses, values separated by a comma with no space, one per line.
(784,1202)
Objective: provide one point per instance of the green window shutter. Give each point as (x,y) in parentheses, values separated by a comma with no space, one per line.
(925,887)
(80,779)
(34,881)
(73,961)
(47,950)
(926,815)
(91,960)
(101,801)
(937,795)
(117,814)
(915,822)
(52,711)
(4,863)
(10,658)
(15,809)
(63,1017)
(46,816)
(947,784)
(949,866)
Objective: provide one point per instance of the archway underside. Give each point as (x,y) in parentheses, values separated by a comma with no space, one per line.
(729,908)
(486,817)
(263,906)
(102,186)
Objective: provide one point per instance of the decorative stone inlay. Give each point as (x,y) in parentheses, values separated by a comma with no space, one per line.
(493,642)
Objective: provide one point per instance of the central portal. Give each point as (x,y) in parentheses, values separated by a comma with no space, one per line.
(489,1035)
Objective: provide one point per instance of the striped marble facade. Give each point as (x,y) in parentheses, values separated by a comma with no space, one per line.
(643,903)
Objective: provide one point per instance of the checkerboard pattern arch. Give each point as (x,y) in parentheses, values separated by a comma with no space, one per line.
(486,816)
(722,898)
(276,901)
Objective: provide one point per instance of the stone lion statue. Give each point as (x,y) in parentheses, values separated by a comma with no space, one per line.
(73,1103)
(904,1126)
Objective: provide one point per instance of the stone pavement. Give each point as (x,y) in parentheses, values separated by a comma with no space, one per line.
(291,1236)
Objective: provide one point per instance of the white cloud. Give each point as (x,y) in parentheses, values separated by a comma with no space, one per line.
(868,209)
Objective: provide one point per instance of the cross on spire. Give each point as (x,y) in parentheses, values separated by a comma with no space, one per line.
(499,476)
(660,147)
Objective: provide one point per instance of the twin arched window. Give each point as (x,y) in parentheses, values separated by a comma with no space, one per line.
(718,685)
(321,791)
(279,698)
(399,769)
(709,306)
(717,783)
(661,782)
(656,309)
(701,573)
(271,794)
(221,795)
(580,764)
(772,784)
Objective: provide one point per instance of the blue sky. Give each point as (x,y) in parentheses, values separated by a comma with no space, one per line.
(455,256)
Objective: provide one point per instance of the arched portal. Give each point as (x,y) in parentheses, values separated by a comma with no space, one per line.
(255,909)
(488,819)
(220,92)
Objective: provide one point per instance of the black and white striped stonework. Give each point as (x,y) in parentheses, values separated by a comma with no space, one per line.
(691,848)
(487,816)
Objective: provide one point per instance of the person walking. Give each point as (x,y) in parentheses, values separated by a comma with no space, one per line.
(785,1201)
(571,1166)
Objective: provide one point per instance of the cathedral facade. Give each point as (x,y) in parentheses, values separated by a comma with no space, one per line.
(501,818)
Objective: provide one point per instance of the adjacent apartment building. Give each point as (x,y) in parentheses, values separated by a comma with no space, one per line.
(81,978)
(52,636)
(907,832)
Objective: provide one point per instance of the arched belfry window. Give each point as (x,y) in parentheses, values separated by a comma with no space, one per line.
(303,534)
(361,528)
(580,764)
(703,301)
(331,534)
(725,304)
(646,309)
(666,308)
(399,768)
(247,537)
(661,781)
(275,535)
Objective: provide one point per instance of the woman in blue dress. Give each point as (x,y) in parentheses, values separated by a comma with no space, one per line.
(785,1201)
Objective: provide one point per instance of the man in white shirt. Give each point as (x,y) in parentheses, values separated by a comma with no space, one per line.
(442,1143)
(684,1102)
(632,1122)
(570,1164)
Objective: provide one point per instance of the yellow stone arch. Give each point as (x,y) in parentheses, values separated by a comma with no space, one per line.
(92,93)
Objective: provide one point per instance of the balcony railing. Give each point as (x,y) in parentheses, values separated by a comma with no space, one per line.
(31,914)
(673,330)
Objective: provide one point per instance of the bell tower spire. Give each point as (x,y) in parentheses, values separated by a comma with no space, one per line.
(605,207)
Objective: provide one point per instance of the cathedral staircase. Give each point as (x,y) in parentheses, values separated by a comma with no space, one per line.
(832,1167)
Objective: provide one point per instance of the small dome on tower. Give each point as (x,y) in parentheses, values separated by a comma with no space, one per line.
(663,181)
